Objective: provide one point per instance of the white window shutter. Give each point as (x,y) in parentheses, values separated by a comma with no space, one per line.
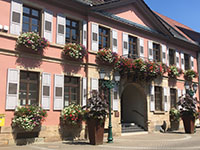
(125,44)
(84,91)
(165,98)
(192,62)
(177,60)
(48,25)
(182,61)
(164,54)
(167,56)
(183,92)
(115,41)
(179,93)
(115,96)
(16,15)
(46,90)
(12,89)
(60,39)
(150,50)
(152,98)
(85,33)
(58,92)
(141,48)
(95,37)
(94,84)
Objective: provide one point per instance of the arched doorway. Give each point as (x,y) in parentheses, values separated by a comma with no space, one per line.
(134,105)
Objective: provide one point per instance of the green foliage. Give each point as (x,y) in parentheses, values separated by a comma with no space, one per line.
(72,114)
(97,107)
(28,117)
(188,106)
(174,115)
(32,40)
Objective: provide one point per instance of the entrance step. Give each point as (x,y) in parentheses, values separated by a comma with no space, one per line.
(131,127)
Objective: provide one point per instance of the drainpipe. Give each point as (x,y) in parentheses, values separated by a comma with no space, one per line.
(198,69)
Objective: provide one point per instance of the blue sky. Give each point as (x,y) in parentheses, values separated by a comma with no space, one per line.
(186,12)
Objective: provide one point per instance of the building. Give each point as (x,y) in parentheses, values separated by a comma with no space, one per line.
(128,27)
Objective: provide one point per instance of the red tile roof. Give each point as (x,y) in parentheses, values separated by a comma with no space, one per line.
(175,25)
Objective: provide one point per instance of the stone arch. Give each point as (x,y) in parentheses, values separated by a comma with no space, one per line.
(134,105)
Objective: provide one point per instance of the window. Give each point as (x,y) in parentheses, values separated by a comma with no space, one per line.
(171,57)
(104,37)
(29,88)
(187,61)
(31,20)
(173,98)
(72,31)
(133,53)
(156,52)
(71,90)
(158,98)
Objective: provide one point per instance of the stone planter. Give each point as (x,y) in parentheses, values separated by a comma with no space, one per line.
(174,125)
(70,132)
(96,131)
(189,124)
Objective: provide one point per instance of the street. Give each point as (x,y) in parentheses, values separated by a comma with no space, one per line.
(152,141)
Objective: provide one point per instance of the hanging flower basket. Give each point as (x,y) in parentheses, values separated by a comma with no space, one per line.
(189,75)
(174,72)
(106,56)
(28,117)
(31,41)
(74,51)
(141,70)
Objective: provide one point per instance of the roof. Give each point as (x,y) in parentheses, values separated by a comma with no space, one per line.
(176,25)
(96,2)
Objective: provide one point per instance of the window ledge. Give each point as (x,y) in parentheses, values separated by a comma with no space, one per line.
(159,112)
(92,52)
(8,35)
(56,45)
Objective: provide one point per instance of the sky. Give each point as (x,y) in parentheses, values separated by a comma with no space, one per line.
(186,12)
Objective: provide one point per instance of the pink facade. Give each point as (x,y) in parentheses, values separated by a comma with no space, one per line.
(52,62)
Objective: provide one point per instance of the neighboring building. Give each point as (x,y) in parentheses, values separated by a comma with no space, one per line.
(128,27)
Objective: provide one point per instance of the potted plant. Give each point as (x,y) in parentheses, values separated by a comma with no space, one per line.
(28,117)
(174,72)
(71,118)
(189,75)
(31,41)
(188,112)
(174,118)
(74,51)
(106,56)
(96,111)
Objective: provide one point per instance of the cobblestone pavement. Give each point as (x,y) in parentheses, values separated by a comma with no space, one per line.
(153,141)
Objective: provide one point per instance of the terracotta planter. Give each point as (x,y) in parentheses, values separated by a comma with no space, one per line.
(189,123)
(96,131)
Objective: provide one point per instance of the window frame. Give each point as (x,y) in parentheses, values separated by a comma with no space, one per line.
(187,64)
(159,98)
(78,30)
(173,94)
(108,36)
(71,85)
(172,58)
(135,44)
(157,52)
(39,18)
(28,82)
